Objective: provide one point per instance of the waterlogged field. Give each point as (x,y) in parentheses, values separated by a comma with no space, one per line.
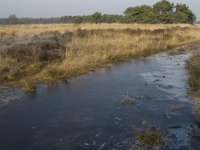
(43,53)
(137,104)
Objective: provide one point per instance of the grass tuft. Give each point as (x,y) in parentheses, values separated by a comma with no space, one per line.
(126,99)
(151,137)
(29,86)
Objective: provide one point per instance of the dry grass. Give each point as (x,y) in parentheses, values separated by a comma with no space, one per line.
(54,52)
(29,86)
(150,137)
(126,99)
(33,29)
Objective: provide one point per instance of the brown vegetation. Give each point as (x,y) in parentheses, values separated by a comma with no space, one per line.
(53,52)
(126,99)
(151,137)
(193,66)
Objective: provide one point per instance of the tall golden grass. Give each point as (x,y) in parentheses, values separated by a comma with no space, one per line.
(90,46)
(32,29)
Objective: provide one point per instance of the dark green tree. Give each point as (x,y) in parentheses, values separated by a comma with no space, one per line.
(183,14)
(96,17)
(164,11)
(179,17)
(139,14)
(111,18)
(78,19)
(66,19)
(12,19)
(163,7)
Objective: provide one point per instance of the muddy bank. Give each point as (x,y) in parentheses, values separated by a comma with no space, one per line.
(85,112)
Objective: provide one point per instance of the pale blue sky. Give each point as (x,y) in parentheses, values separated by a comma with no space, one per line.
(53,8)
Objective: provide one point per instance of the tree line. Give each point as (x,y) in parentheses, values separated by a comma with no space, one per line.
(161,12)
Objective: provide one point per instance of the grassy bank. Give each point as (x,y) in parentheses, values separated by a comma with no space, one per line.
(193,66)
(43,53)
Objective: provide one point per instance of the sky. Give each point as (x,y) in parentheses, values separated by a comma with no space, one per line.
(57,8)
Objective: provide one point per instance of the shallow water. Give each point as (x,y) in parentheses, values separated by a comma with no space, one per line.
(85,112)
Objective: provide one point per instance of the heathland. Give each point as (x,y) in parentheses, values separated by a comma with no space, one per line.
(46,53)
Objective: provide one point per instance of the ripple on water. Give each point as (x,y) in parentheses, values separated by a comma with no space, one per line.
(8,94)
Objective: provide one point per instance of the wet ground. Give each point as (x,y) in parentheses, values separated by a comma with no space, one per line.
(85,112)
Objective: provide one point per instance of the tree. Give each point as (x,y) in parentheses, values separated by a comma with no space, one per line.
(163,7)
(164,11)
(96,17)
(78,19)
(12,19)
(183,14)
(140,14)
(110,18)
(179,17)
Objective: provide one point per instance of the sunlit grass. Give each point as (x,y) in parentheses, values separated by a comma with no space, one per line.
(54,52)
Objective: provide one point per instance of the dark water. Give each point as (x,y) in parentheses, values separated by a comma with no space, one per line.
(85,112)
